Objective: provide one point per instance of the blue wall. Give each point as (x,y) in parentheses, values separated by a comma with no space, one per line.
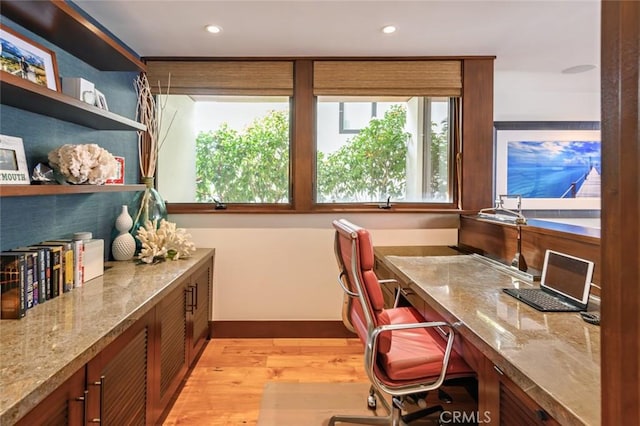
(25,220)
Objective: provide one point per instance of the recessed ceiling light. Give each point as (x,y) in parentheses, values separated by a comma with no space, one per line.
(389,29)
(578,69)
(213,29)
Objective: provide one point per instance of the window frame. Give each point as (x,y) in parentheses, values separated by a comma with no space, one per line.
(303,153)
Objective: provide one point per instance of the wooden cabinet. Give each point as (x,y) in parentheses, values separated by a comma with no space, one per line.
(517,408)
(182,318)
(117,378)
(198,296)
(135,378)
(172,321)
(65,406)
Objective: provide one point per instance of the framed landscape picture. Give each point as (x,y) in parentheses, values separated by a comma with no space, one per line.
(27,59)
(13,163)
(551,165)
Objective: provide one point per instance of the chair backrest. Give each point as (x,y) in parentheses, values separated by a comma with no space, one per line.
(354,254)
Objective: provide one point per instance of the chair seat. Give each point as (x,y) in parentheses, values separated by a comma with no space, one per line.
(416,355)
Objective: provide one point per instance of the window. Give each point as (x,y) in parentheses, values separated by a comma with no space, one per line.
(252,135)
(229,149)
(401,153)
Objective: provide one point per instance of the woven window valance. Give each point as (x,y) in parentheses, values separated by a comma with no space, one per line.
(222,77)
(415,78)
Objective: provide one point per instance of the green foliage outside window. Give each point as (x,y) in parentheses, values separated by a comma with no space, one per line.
(253,166)
(371,166)
(248,167)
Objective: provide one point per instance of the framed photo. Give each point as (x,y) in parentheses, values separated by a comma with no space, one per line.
(119,179)
(552,165)
(13,163)
(101,101)
(27,59)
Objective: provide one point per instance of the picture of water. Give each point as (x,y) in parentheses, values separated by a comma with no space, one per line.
(547,169)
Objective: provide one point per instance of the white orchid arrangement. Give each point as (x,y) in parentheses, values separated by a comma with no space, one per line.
(166,241)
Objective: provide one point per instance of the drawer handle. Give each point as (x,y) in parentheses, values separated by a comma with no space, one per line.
(188,300)
(495,367)
(542,415)
(83,398)
(407,291)
(101,384)
(194,296)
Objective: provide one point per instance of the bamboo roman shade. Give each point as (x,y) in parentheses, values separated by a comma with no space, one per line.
(222,77)
(414,78)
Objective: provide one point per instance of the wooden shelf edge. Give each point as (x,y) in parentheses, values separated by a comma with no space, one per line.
(63,25)
(33,190)
(26,95)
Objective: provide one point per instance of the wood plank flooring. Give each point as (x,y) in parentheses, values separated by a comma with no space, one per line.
(225,387)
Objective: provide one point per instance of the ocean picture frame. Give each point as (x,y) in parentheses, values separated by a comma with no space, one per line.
(552,165)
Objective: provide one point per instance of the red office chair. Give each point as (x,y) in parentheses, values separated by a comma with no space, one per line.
(404,355)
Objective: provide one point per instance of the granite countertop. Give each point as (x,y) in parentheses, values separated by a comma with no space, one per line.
(43,349)
(553,357)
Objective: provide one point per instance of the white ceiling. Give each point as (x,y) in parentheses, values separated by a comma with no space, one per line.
(524,35)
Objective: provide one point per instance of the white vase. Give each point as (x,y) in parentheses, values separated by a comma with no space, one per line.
(123,246)
(124,221)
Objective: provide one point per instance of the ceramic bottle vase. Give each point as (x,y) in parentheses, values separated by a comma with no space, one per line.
(123,246)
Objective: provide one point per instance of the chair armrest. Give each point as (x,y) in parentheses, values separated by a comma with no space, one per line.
(371,354)
(344,287)
(390,281)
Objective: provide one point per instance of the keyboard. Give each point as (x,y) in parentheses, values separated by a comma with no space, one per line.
(540,300)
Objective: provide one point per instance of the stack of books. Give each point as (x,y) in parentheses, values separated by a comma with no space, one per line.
(34,274)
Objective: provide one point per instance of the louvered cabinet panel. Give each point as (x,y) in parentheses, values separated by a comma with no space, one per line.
(117,379)
(65,406)
(198,312)
(173,342)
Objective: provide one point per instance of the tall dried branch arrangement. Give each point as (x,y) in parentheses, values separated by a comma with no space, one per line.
(150,113)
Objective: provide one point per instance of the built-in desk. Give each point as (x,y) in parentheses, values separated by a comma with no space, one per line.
(553,357)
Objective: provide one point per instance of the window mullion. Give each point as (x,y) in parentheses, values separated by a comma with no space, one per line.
(302,137)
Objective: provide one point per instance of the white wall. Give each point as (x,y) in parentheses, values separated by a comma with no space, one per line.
(181,153)
(527,96)
(282,267)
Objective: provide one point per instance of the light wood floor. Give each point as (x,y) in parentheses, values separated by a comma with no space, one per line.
(225,387)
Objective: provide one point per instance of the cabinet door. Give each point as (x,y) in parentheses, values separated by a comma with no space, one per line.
(517,408)
(171,317)
(198,302)
(117,379)
(64,406)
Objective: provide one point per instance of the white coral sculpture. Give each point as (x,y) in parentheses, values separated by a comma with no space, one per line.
(84,163)
(164,241)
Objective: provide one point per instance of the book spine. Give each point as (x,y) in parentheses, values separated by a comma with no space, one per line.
(66,263)
(31,272)
(56,271)
(12,301)
(23,287)
(42,276)
(47,268)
